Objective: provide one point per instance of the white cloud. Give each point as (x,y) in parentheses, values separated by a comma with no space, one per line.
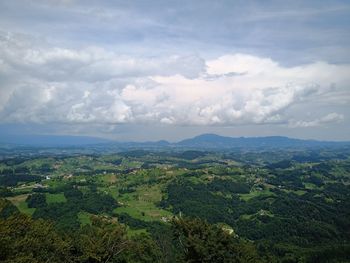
(91,64)
(92,85)
(241,64)
(327,119)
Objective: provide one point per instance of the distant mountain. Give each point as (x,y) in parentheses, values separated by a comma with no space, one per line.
(217,141)
(151,144)
(204,141)
(51,140)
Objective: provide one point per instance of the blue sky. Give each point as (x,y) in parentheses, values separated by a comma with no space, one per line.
(149,70)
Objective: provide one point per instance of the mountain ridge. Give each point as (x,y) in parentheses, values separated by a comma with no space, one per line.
(215,141)
(205,141)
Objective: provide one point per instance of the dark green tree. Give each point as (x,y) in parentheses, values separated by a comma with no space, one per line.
(102,241)
(36,200)
(25,240)
(202,242)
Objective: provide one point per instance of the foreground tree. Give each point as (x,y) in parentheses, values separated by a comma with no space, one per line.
(105,240)
(202,242)
(23,239)
(102,241)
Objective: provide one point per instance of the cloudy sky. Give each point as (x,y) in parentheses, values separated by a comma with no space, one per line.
(149,70)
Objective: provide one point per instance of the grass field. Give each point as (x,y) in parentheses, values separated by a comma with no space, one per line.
(109,178)
(310,186)
(142,204)
(84,218)
(55,198)
(132,232)
(20,202)
(111,190)
(252,194)
(28,187)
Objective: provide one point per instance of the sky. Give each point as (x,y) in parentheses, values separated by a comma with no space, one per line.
(150,70)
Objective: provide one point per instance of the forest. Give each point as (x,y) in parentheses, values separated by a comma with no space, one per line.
(291,205)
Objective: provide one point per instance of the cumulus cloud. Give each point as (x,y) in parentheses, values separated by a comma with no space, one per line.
(327,119)
(89,64)
(44,84)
